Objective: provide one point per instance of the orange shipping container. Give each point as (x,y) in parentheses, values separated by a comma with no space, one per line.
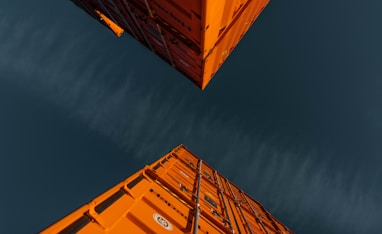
(179,193)
(193,36)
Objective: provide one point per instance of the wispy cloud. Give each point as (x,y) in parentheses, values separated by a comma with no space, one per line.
(65,67)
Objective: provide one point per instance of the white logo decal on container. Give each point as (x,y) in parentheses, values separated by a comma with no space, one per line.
(162,221)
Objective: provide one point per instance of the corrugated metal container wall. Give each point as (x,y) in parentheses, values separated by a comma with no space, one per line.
(179,193)
(193,36)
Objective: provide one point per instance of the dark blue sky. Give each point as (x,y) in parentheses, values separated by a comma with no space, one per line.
(294,116)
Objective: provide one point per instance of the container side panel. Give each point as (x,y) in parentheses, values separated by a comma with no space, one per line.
(180,15)
(231,36)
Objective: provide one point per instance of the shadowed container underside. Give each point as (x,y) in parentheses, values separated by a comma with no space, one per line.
(193,36)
